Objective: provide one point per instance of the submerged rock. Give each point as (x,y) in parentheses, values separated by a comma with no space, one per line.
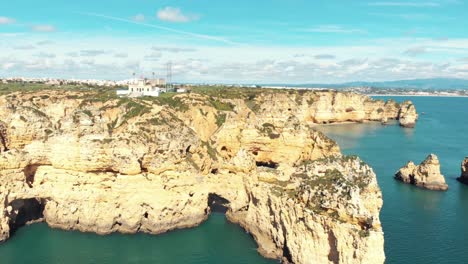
(407,115)
(426,175)
(384,120)
(464,171)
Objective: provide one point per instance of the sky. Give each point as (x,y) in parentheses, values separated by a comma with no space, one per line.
(243,41)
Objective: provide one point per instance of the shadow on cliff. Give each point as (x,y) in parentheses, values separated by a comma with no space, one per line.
(24,211)
(217,204)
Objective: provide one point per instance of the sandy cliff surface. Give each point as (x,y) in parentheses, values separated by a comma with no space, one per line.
(82,161)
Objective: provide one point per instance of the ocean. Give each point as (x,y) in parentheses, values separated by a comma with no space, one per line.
(420,226)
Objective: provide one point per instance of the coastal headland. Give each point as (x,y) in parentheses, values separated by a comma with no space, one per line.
(84,159)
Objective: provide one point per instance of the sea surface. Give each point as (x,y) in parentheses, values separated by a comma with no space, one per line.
(420,226)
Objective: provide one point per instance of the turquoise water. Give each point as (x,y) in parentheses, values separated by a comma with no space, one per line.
(420,226)
(215,241)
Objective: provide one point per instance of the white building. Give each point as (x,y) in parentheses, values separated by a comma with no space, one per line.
(144,87)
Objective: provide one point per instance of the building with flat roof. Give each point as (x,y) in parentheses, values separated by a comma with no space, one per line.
(144,87)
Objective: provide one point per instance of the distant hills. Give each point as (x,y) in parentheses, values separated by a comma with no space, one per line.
(422,84)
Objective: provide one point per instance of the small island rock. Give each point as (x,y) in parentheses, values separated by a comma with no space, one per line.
(425,175)
(407,115)
(464,171)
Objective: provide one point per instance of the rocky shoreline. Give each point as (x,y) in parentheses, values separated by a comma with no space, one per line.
(83,161)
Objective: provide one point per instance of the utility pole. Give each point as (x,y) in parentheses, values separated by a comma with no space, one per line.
(169,76)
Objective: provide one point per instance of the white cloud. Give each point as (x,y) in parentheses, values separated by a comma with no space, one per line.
(333,29)
(45,55)
(378,60)
(44,42)
(92,53)
(155,56)
(24,47)
(43,28)
(173,49)
(416,51)
(139,18)
(121,55)
(324,57)
(172,14)
(6,20)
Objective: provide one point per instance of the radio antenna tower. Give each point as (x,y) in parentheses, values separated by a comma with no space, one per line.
(169,75)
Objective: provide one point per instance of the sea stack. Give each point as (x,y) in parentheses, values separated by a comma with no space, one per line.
(426,175)
(464,171)
(407,115)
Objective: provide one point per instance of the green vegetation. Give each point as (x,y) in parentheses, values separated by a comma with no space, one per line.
(298,99)
(220,119)
(36,111)
(252,104)
(168,99)
(268,129)
(364,233)
(134,109)
(211,151)
(220,106)
(88,113)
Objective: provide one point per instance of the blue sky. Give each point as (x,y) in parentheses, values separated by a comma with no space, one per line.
(276,41)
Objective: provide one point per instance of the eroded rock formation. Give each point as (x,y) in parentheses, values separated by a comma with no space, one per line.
(407,115)
(426,175)
(464,171)
(84,161)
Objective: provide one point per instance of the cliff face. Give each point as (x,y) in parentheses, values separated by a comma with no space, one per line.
(82,162)
(426,175)
(336,107)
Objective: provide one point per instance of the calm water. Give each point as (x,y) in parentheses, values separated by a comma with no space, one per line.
(420,226)
(215,241)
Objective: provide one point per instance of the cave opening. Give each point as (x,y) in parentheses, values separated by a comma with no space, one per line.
(24,211)
(217,203)
(412,179)
(267,164)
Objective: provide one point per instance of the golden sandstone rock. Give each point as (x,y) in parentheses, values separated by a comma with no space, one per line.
(407,115)
(426,175)
(154,165)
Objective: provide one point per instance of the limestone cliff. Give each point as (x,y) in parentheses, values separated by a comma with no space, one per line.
(426,175)
(88,161)
(464,171)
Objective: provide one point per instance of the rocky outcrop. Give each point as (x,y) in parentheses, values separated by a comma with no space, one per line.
(464,171)
(332,107)
(407,115)
(88,162)
(426,175)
